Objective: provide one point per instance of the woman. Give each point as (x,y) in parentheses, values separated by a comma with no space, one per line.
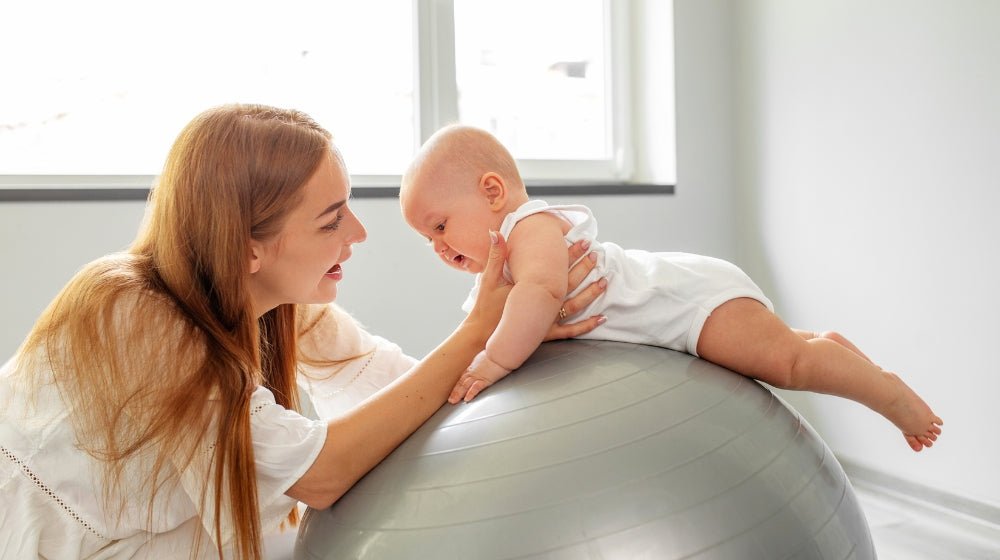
(152,409)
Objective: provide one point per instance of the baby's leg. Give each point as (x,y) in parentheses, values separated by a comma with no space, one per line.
(834,336)
(745,337)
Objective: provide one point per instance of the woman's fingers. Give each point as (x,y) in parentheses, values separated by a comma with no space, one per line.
(571,306)
(581,269)
(498,255)
(580,301)
(570,330)
(493,289)
(578,249)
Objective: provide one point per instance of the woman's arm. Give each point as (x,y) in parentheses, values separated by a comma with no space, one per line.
(360,438)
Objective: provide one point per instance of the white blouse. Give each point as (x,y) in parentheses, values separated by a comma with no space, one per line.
(50,494)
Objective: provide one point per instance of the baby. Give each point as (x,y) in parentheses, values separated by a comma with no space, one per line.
(463,185)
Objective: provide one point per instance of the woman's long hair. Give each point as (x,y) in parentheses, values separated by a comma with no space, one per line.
(157,351)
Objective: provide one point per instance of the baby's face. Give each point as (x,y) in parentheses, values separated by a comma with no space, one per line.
(455,221)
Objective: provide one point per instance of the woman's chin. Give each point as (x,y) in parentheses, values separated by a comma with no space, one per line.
(326,293)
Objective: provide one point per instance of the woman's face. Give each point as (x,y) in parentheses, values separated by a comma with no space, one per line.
(302,264)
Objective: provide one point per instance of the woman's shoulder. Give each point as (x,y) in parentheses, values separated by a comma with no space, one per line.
(326,331)
(110,277)
(122,295)
(127,280)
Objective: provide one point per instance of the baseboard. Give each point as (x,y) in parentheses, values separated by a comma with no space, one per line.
(920,494)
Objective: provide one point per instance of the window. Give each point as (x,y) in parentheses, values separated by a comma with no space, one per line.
(104,87)
(537,75)
(101,88)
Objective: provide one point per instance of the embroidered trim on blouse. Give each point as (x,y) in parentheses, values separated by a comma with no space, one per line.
(48,492)
(253,412)
(344,387)
(259,407)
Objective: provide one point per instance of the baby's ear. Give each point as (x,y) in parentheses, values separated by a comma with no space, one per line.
(493,187)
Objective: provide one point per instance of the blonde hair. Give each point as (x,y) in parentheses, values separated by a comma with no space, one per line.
(157,351)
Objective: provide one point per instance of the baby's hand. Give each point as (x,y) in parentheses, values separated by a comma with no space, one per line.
(481,373)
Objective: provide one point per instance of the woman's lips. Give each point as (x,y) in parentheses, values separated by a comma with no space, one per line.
(335,273)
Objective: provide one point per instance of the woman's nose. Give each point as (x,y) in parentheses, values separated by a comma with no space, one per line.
(360,233)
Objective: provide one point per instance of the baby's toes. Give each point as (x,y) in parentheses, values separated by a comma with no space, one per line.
(914,443)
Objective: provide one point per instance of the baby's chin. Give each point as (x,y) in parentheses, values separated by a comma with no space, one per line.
(465,264)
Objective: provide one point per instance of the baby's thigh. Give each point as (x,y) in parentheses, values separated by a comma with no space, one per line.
(743,335)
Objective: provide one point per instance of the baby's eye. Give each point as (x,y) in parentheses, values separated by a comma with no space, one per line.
(439,227)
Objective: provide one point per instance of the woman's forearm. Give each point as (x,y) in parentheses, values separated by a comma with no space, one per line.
(359,439)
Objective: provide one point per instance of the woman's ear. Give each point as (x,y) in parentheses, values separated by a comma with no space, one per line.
(494,188)
(256,250)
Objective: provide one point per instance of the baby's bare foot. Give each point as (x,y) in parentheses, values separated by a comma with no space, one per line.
(920,426)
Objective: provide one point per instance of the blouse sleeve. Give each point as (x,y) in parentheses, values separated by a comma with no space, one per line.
(285,445)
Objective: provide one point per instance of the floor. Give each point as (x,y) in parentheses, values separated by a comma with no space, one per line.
(907,529)
(902,528)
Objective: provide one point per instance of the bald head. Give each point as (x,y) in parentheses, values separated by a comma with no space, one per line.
(458,156)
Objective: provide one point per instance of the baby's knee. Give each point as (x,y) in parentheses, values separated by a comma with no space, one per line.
(834,336)
(788,378)
(783,370)
(798,366)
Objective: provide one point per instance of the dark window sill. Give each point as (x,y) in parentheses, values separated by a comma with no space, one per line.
(90,194)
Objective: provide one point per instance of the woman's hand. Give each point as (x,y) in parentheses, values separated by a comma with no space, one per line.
(580,301)
(493,289)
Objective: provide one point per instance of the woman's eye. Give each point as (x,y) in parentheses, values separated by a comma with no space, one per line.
(334,224)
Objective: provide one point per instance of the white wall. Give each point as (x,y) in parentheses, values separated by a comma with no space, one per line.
(869,138)
(43,244)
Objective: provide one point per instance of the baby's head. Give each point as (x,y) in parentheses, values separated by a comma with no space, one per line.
(461,185)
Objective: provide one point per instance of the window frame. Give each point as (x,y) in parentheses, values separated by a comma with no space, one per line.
(437,92)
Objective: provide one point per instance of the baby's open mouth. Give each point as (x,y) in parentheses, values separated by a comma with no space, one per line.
(459,260)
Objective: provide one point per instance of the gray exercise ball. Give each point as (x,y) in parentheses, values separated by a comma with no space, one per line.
(602,450)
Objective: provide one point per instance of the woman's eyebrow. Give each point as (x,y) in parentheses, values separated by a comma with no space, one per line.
(331,208)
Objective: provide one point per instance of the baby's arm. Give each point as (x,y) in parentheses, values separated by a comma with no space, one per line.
(539,264)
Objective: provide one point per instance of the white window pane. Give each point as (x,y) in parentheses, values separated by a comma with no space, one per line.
(103,87)
(535,74)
